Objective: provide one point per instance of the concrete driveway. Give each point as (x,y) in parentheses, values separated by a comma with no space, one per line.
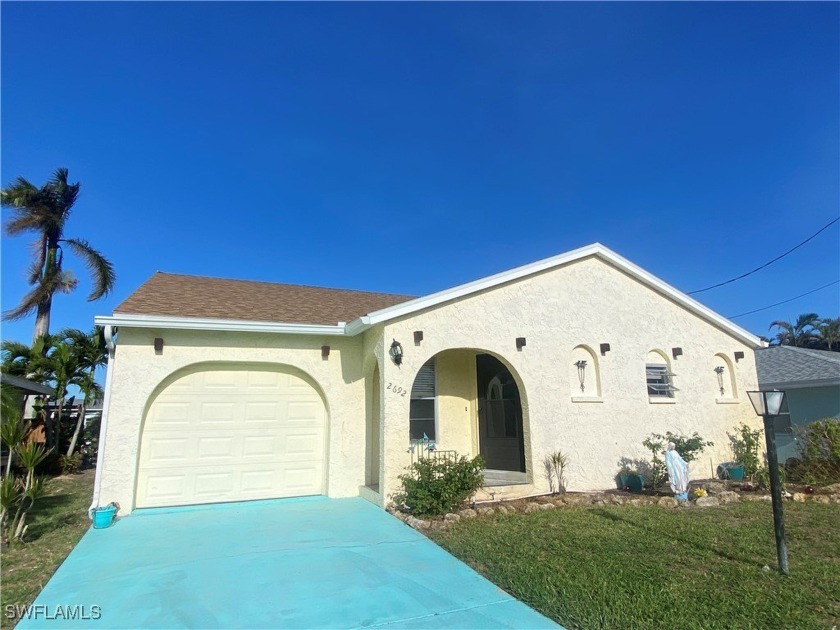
(300,563)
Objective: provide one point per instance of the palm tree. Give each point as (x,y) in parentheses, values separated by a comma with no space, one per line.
(829,330)
(90,351)
(800,333)
(45,211)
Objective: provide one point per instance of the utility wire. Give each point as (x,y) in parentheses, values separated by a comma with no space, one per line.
(825,286)
(767,264)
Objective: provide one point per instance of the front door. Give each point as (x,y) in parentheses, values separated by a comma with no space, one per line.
(500,436)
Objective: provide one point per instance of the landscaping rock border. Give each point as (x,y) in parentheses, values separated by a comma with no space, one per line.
(718,494)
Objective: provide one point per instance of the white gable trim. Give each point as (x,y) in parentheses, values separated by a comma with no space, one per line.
(597,250)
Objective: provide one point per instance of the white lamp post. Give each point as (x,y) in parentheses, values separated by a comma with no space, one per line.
(767,405)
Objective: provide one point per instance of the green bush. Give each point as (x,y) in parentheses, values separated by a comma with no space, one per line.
(688,446)
(437,486)
(819,446)
(746,444)
(70,465)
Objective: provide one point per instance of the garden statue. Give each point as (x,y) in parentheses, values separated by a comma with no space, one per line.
(677,472)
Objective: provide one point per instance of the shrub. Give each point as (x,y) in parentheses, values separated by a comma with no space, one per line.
(819,445)
(689,447)
(436,486)
(746,444)
(555,469)
(70,465)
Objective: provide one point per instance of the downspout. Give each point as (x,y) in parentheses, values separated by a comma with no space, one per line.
(111,345)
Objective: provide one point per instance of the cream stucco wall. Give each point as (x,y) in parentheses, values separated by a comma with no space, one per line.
(587,302)
(138,371)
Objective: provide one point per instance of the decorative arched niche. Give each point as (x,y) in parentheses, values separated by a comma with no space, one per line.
(584,375)
(726,388)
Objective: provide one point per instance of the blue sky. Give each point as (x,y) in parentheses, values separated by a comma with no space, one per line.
(412,147)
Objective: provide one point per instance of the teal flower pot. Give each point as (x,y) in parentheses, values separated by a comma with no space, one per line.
(104,516)
(635,483)
(731,470)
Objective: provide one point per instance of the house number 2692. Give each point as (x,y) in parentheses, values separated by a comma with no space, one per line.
(399,391)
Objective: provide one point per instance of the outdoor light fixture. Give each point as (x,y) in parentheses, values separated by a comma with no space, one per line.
(418,337)
(719,371)
(325,352)
(396,352)
(581,368)
(158,345)
(520,343)
(605,347)
(676,352)
(767,405)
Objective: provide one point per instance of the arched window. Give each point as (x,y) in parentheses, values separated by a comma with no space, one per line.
(584,375)
(659,377)
(725,385)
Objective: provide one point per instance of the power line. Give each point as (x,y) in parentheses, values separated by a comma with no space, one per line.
(825,286)
(767,264)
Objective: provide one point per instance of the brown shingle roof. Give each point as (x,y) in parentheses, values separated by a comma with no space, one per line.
(179,295)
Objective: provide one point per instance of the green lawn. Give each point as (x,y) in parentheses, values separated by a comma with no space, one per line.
(649,567)
(57,522)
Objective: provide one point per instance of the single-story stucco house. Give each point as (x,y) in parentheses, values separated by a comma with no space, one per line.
(226,390)
(811,380)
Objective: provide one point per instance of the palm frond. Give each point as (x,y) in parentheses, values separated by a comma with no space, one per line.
(28,305)
(39,253)
(100,268)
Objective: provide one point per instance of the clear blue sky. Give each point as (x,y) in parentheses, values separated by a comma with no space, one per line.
(412,147)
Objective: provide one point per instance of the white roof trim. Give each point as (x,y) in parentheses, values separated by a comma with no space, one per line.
(361,324)
(202,323)
(596,249)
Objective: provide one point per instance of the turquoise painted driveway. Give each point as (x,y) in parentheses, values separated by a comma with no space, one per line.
(309,563)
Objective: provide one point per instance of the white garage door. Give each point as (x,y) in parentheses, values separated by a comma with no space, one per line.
(232,435)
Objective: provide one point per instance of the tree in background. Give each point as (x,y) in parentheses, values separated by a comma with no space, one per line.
(91,352)
(808,331)
(44,211)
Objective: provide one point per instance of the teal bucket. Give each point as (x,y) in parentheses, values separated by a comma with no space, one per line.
(104,516)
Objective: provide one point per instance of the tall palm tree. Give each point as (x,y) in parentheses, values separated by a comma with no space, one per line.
(45,211)
(829,329)
(90,351)
(800,333)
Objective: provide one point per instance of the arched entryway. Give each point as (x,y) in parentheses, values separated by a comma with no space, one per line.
(232,432)
(469,402)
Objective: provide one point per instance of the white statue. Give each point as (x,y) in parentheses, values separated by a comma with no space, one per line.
(677,472)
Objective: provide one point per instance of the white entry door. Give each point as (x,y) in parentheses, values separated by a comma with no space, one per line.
(232,435)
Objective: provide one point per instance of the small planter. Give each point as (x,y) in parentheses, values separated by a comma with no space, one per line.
(633,483)
(731,470)
(104,516)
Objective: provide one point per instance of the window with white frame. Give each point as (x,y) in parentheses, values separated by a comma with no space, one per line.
(423,409)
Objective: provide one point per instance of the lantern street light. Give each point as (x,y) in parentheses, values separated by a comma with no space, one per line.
(767,405)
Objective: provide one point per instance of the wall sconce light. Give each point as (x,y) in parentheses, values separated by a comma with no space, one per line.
(676,352)
(396,352)
(158,345)
(738,356)
(418,337)
(581,368)
(325,352)
(605,347)
(520,343)
(719,371)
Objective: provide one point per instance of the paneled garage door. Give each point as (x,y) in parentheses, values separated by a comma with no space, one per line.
(232,435)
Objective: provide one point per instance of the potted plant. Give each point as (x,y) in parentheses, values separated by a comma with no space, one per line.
(745,444)
(630,479)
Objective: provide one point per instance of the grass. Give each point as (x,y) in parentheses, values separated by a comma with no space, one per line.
(56,524)
(649,567)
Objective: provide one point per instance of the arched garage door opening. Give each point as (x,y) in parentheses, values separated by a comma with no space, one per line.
(221,432)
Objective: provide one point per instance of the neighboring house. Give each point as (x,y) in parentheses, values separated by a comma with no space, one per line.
(224,390)
(25,392)
(811,380)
